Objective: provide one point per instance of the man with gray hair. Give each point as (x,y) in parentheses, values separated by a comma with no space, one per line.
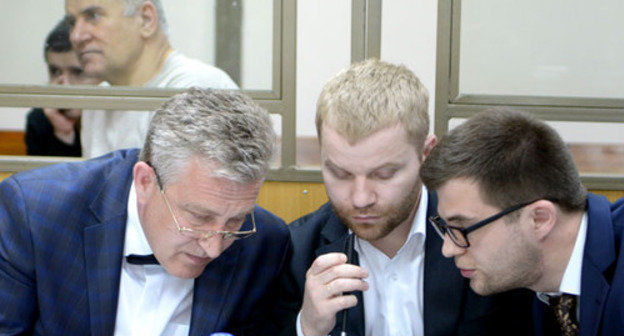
(373,130)
(125,43)
(165,242)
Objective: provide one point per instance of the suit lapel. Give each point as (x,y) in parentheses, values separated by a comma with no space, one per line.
(104,240)
(103,253)
(598,256)
(211,290)
(443,288)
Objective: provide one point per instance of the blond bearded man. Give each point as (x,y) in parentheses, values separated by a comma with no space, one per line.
(373,129)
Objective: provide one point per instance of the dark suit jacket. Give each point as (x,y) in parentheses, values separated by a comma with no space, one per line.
(602,277)
(40,138)
(450,306)
(62,232)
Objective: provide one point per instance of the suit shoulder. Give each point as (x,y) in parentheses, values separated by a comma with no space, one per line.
(617,211)
(313,219)
(268,221)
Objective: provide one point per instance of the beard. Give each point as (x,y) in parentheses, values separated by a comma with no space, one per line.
(390,217)
(517,266)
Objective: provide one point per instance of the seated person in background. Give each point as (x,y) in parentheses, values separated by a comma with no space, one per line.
(167,241)
(373,129)
(52,131)
(125,43)
(513,213)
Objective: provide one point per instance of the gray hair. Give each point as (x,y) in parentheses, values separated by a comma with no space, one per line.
(132,6)
(371,95)
(225,128)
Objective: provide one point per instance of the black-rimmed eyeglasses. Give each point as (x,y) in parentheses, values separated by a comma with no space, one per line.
(458,235)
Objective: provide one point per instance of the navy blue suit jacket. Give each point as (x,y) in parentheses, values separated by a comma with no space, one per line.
(62,232)
(602,278)
(450,306)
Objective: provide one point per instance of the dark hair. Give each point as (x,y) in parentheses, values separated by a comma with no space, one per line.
(512,156)
(58,39)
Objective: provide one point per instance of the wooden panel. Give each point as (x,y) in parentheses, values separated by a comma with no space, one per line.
(12,143)
(4,175)
(612,195)
(291,200)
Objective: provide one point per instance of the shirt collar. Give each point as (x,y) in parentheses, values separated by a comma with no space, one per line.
(571,280)
(135,242)
(419,226)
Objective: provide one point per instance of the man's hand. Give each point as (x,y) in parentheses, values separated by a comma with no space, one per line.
(63,122)
(326,281)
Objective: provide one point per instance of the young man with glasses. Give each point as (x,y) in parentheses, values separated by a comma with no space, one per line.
(373,128)
(167,241)
(514,214)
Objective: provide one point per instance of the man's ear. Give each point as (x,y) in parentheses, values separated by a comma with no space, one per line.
(148,16)
(144,181)
(430,142)
(543,215)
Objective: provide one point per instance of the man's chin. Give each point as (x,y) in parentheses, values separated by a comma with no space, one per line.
(369,232)
(93,69)
(479,288)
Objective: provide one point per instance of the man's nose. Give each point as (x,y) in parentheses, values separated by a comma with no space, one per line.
(62,79)
(450,249)
(215,245)
(363,194)
(79,33)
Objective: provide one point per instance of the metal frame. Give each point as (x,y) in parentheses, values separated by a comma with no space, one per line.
(450,103)
(279,100)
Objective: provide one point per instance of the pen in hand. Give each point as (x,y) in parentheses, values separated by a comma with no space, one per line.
(349,252)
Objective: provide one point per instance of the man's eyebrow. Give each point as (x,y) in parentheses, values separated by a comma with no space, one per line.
(86,10)
(457,219)
(199,210)
(92,8)
(387,165)
(330,164)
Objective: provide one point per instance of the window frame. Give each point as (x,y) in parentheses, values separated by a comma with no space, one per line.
(450,103)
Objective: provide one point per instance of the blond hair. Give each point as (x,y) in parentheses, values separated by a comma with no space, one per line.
(372,95)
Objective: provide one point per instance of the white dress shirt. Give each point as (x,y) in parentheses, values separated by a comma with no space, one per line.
(571,280)
(393,304)
(151,301)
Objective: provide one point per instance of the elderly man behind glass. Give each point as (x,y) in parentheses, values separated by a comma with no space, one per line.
(125,42)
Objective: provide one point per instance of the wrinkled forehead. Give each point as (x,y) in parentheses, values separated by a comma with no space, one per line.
(62,59)
(74,8)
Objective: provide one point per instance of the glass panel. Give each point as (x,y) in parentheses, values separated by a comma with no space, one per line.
(320,23)
(13,131)
(542,48)
(596,147)
(193,27)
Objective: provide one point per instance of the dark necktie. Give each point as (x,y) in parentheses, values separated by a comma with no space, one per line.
(136,259)
(564,307)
